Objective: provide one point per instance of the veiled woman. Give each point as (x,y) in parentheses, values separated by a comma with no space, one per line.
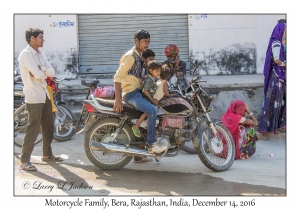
(241,128)
(273,113)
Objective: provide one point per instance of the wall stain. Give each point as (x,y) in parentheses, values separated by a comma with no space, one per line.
(215,89)
(232,60)
(223,95)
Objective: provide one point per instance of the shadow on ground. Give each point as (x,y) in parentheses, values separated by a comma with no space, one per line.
(149,182)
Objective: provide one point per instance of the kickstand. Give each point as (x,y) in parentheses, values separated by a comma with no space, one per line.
(157,160)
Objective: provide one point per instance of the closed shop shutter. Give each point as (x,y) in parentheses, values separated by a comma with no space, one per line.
(103,39)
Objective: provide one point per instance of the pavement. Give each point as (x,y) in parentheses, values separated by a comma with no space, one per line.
(267,167)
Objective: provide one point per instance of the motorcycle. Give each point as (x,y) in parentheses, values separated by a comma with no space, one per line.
(110,144)
(63,117)
(180,86)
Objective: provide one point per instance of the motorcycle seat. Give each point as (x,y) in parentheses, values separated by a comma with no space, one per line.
(94,83)
(89,83)
(126,107)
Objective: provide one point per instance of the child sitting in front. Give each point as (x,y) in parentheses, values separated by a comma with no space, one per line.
(162,83)
(153,91)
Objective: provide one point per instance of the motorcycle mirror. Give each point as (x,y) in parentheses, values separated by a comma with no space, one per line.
(196,65)
(196,79)
(196,62)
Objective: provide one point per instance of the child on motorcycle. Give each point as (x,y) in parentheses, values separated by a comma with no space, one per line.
(153,91)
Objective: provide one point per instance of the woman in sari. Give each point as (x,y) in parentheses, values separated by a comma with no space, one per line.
(273,113)
(240,127)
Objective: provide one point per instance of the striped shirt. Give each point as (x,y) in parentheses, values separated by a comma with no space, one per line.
(129,73)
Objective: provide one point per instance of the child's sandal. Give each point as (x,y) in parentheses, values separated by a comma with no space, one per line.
(137,133)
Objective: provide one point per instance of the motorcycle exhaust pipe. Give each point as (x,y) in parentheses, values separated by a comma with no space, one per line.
(100,146)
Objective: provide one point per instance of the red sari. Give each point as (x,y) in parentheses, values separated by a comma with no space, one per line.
(231,119)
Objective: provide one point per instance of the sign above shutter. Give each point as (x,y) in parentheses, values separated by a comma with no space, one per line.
(103,39)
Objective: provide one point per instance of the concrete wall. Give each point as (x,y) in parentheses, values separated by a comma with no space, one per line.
(253,95)
(230,44)
(61,40)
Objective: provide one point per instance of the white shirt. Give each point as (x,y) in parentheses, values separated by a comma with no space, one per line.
(34,87)
(276,45)
(173,80)
(159,93)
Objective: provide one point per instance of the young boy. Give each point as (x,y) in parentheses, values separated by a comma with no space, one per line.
(148,88)
(147,56)
(154,91)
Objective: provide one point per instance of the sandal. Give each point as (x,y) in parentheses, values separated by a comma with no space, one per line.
(27,167)
(244,156)
(52,158)
(137,133)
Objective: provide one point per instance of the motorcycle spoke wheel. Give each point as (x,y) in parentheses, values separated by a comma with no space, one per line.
(217,156)
(101,132)
(101,135)
(63,123)
(20,125)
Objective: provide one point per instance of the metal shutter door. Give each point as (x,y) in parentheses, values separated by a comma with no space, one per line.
(103,39)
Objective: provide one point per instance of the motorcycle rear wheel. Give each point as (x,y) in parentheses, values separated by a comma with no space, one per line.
(107,159)
(216,157)
(20,125)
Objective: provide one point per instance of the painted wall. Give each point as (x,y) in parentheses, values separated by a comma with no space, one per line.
(61,40)
(230,44)
(224,44)
(224,95)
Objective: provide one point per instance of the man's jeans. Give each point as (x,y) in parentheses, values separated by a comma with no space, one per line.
(135,99)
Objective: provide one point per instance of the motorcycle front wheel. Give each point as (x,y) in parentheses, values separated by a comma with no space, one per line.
(214,155)
(102,131)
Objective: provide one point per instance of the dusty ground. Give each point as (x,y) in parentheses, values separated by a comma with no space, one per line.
(181,175)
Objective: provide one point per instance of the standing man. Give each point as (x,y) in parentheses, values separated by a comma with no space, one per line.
(129,77)
(34,68)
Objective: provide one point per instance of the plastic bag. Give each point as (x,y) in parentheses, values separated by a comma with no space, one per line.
(104,92)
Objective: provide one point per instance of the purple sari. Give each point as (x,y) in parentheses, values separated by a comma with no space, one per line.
(269,63)
(273,114)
